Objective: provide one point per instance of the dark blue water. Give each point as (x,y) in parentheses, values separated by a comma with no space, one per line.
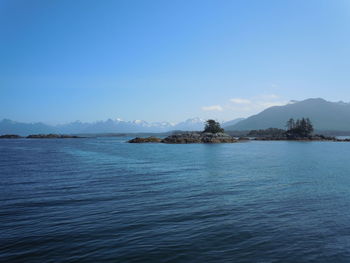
(103,200)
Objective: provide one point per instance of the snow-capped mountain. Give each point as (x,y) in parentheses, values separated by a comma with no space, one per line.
(108,126)
(194,124)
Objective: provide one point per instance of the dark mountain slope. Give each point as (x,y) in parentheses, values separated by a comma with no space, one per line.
(325,115)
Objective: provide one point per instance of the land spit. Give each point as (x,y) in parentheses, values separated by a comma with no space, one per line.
(190,137)
(197,137)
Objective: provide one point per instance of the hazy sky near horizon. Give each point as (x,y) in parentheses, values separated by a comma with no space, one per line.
(65,60)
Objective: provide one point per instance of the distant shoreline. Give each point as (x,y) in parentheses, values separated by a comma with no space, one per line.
(40,136)
(189,138)
(183,138)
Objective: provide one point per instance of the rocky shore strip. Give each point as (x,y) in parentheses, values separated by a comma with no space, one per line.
(197,137)
(52,136)
(191,137)
(10,136)
(39,136)
(316,138)
(145,140)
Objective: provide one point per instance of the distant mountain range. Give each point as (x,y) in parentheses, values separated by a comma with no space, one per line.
(325,116)
(109,126)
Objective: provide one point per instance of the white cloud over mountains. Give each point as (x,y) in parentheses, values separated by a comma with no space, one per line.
(240,101)
(247,106)
(257,103)
(213,108)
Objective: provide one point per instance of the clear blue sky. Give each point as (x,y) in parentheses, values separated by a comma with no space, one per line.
(62,61)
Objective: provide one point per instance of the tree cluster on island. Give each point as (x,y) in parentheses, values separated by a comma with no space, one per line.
(300,128)
(296,129)
(213,126)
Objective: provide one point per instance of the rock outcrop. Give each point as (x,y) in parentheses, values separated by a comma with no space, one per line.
(316,138)
(10,136)
(51,136)
(145,140)
(189,137)
(204,137)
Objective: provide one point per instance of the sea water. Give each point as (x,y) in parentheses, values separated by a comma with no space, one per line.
(104,200)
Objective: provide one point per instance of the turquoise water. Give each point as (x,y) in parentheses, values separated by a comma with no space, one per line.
(104,200)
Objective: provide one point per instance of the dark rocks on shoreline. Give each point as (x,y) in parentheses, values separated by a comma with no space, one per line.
(150,139)
(51,136)
(190,137)
(317,138)
(199,138)
(10,136)
(39,136)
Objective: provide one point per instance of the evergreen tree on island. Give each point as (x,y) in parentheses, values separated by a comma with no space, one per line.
(212,127)
(299,128)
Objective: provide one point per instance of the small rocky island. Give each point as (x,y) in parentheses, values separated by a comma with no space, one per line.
(145,140)
(52,136)
(39,136)
(10,136)
(297,130)
(196,137)
(212,133)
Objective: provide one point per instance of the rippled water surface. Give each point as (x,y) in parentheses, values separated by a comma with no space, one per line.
(103,200)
